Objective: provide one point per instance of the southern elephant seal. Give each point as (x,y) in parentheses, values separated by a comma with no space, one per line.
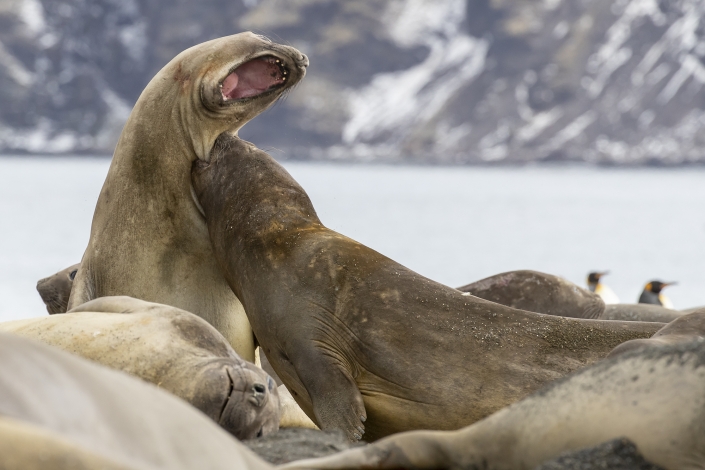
(24,446)
(148,239)
(109,414)
(356,336)
(168,347)
(653,397)
(683,329)
(639,312)
(538,292)
(56,289)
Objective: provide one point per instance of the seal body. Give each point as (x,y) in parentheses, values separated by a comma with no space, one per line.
(168,347)
(683,329)
(354,335)
(538,292)
(653,397)
(640,312)
(148,239)
(55,290)
(75,408)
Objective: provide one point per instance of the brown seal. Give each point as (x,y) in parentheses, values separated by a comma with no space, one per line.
(653,397)
(148,239)
(640,312)
(538,292)
(353,334)
(685,328)
(77,408)
(168,347)
(56,289)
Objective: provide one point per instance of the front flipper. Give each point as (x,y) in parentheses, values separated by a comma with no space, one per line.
(336,400)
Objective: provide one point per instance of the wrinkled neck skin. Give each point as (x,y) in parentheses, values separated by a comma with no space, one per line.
(148,238)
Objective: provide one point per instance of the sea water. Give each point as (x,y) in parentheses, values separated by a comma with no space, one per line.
(452,224)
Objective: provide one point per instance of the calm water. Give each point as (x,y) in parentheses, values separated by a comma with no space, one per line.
(454,225)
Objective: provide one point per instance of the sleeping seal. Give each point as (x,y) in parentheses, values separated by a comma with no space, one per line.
(148,239)
(653,397)
(640,312)
(92,415)
(56,289)
(356,336)
(168,347)
(538,292)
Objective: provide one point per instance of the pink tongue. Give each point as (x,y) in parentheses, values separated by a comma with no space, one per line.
(251,78)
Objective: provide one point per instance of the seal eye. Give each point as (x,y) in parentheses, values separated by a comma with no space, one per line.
(259,388)
(72,274)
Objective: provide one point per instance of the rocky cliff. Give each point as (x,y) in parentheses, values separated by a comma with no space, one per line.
(453,81)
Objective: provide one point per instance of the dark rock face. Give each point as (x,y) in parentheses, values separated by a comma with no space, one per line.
(291,444)
(619,454)
(488,81)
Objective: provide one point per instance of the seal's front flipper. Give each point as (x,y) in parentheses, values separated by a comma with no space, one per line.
(337,402)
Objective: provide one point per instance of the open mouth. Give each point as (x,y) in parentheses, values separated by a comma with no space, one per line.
(253,78)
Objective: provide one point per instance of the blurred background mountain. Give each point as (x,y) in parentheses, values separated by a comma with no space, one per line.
(433,81)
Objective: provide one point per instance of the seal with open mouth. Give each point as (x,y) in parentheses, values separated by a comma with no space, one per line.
(148,239)
(357,337)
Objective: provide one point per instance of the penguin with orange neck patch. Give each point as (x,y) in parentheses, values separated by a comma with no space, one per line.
(652,294)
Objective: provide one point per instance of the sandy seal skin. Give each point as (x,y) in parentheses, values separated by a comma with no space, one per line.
(538,292)
(148,239)
(640,312)
(168,347)
(683,329)
(110,415)
(355,335)
(55,290)
(653,397)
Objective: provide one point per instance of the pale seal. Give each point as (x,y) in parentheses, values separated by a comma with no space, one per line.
(148,239)
(538,292)
(653,397)
(356,336)
(168,347)
(685,328)
(640,312)
(56,289)
(104,416)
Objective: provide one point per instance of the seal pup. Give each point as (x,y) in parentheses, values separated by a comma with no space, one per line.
(640,312)
(108,413)
(148,238)
(682,329)
(652,294)
(56,289)
(653,397)
(599,288)
(537,292)
(357,337)
(184,355)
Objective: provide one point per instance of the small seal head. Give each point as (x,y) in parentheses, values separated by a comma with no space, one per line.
(56,289)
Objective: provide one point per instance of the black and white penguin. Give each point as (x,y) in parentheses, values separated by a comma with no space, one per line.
(652,294)
(605,293)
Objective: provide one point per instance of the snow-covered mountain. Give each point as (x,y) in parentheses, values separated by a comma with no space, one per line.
(451,81)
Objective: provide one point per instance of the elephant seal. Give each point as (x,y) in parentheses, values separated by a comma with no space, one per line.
(538,292)
(168,347)
(56,289)
(653,397)
(107,413)
(148,239)
(685,328)
(640,312)
(354,335)
(27,447)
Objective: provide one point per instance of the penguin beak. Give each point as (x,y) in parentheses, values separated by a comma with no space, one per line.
(669,284)
(603,273)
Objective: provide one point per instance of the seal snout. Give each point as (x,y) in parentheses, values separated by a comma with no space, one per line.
(301,61)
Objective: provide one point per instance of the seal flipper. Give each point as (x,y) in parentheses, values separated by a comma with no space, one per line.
(335,398)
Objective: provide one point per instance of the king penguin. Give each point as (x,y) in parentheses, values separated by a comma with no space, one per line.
(652,294)
(605,293)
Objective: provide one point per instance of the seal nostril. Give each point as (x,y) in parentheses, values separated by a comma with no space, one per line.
(259,388)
